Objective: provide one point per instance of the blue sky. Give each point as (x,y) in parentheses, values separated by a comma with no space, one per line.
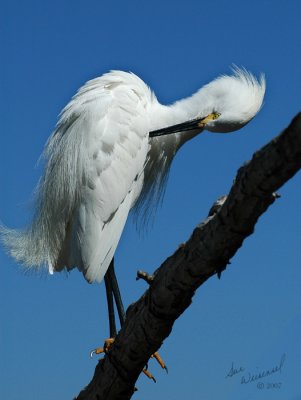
(251,317)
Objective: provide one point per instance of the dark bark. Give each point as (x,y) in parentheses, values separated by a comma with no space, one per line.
(208,251)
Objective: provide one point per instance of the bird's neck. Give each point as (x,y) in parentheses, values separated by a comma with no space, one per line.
(183,110)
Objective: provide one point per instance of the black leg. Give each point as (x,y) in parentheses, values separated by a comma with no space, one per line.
(113,293)
(116,292)
(109,292)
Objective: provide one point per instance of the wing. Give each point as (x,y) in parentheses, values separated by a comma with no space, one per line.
(115,123)
(94,173)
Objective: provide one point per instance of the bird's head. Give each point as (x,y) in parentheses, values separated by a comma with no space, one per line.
(223,105)
(231,101)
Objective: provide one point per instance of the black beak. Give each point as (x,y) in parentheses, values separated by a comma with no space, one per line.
(194,124)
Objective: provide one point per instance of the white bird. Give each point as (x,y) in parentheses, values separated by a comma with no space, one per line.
(101,161)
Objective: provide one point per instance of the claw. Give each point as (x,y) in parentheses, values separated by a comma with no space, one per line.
(99,350)
(162,364)
(149,375)
(104,349)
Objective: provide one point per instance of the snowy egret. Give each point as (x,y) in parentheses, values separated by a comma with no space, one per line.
(110,151)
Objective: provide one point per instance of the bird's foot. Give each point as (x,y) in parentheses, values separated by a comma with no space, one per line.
(108,344)
(105,349)
(162,364)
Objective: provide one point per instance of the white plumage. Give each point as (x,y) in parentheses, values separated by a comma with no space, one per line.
(100,159)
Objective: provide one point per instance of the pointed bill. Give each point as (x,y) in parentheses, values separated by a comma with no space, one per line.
(197,123)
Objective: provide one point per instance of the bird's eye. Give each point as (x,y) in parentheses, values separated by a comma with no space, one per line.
(215,115)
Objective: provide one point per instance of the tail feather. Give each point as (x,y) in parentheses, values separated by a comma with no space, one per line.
(26,246)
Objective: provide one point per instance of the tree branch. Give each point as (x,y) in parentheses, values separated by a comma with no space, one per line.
(208,251)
